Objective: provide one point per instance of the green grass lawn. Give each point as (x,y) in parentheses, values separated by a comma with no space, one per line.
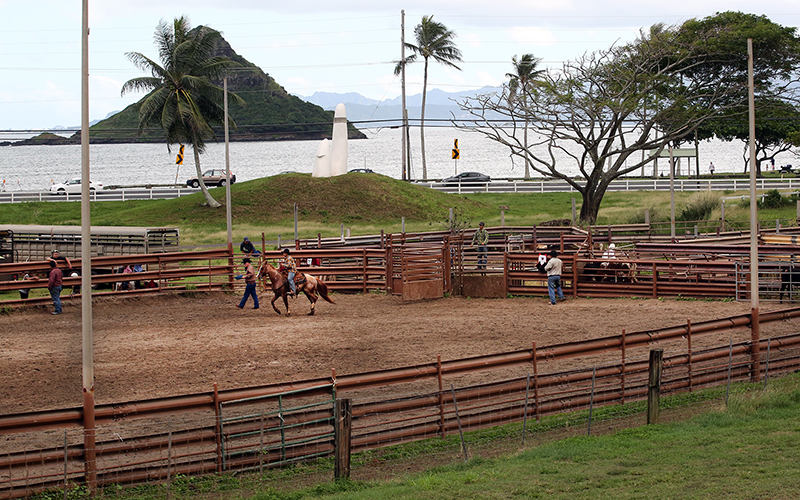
(364,204)
(747,450)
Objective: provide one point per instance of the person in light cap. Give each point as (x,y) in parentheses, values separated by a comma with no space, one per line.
(609,254)
(75,288)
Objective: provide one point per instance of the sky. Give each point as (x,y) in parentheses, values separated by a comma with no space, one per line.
(311,46)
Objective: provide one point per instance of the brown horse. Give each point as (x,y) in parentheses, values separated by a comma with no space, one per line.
(280,287)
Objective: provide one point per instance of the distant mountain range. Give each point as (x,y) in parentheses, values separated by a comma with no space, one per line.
(440,105)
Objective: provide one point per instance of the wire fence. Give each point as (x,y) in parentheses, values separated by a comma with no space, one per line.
(286,434)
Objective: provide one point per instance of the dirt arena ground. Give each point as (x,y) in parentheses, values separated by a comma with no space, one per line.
(160,346)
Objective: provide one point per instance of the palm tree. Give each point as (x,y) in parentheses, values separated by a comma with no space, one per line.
(435,41)
(181,98)
(522,80)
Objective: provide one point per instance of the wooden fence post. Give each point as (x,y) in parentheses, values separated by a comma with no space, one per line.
(343,419)
(654,385)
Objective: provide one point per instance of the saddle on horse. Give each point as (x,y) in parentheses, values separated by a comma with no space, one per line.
(299,278)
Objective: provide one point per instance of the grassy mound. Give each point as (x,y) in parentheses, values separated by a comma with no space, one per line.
(359,199)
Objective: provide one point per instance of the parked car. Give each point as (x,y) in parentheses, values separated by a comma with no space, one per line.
(467,178)
(362,171)
(216,177)
(73,186)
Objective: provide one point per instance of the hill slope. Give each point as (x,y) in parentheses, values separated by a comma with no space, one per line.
(351,198)
(358,199)
(270,112)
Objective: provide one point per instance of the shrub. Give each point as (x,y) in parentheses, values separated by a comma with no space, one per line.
(638,217)
(774,199)
(699,206)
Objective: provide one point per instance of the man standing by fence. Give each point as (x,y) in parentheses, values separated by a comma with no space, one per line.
(54,284)
(250,284)
(553,269)
(481,238)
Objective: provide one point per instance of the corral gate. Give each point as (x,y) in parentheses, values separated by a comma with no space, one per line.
(419,270)
(778,281)
(278,429)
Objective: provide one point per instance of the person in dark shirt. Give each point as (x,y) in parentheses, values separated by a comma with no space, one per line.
(54,284)
(248,249)
(54,257)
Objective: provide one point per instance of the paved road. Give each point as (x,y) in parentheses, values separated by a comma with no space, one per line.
(104,195)
(500,186)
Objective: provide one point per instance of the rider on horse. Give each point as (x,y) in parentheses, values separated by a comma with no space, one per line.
(288,262)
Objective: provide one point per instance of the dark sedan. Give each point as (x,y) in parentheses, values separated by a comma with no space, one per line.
(467,178)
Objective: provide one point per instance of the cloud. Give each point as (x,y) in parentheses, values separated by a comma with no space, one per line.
(472,39)
(485,78)
(531,35)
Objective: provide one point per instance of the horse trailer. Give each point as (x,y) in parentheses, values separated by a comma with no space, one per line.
(32,242)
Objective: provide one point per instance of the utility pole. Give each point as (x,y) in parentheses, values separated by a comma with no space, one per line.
(228,208)
(89,448)
(754,323)
(406,174)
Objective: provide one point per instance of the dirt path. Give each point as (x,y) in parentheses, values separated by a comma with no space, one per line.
(161,346)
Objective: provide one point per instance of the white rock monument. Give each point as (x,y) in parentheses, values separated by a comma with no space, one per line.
(322,162)
(334,163)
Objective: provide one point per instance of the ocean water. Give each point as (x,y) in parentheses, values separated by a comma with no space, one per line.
(32,168)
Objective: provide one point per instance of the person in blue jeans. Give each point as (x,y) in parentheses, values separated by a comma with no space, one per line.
(250,284)
(481,239)
(553,269)
(54,284)
(291,265)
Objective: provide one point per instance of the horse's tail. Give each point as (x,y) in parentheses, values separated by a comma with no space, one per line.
(322,288)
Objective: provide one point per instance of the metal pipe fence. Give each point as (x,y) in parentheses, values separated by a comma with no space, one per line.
(261,428)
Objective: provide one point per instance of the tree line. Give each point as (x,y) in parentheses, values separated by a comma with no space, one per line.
(609,112)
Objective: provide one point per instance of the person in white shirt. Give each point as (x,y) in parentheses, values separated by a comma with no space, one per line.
(553,269)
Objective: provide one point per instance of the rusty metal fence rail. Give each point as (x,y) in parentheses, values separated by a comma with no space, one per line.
(271,426)
(161,272)
(354,270)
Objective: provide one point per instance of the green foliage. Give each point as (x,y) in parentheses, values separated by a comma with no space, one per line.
(699,206)
(774,199)
(655,215)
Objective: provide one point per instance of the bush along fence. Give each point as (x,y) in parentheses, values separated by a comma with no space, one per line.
(259,428)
